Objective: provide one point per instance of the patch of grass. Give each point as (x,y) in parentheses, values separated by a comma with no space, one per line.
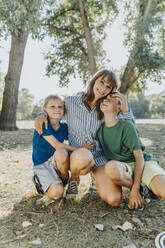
(70,223)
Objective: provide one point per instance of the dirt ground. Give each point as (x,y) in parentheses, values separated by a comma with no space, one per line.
(71,223)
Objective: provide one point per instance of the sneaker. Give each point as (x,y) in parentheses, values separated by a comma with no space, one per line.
(37,184)
(146,193)
(72,189)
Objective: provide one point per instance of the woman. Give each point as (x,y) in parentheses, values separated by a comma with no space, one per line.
(81,117)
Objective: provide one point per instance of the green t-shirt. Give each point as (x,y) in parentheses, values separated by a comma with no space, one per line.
(119,142)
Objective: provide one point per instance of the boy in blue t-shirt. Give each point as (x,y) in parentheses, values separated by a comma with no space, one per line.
(50,175)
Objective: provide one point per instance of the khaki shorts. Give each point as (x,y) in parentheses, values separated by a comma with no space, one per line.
(47,174)
(151,169)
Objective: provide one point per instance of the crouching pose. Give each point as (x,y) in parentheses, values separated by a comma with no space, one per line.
(50,174)
(128,165)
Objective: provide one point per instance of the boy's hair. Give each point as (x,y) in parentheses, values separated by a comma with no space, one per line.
(53,97)
(100,114)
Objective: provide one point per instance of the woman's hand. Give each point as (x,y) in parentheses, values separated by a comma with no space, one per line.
(90,146)
(123,100)
(38,123)
(135,199)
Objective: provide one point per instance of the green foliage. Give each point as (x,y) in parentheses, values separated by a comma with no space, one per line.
(36,109)
(145,38)
(157,106)
(152,106)
(21,15)
(1,89)
(25,104)
(139,105)
(67,55)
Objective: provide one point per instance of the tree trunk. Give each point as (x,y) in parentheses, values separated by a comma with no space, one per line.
(130,76)
(88,38)
(12,80)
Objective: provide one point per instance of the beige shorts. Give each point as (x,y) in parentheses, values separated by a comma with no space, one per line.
(47,174)
(151,169)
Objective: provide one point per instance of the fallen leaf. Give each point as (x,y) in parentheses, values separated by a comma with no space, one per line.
(137,221)
(35,242)
(41,225)
(26,224)
(16,161)
(99,227)
(126,226)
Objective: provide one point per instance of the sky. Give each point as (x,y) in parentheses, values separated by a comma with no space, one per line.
(34,66)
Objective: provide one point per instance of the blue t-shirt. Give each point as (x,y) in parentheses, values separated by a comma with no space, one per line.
(42,150)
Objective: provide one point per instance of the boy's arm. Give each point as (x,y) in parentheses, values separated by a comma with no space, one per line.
(57,145)
(135,200)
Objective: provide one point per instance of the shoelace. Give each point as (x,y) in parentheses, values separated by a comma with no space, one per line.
(73,186)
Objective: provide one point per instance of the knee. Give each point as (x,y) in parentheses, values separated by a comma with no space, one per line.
(80,159)
(55,191)
(61,155)
(112,170)
(112,200)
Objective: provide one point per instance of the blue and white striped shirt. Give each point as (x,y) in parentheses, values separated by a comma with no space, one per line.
(83,125)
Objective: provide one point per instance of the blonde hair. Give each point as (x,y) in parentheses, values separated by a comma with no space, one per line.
(53,97)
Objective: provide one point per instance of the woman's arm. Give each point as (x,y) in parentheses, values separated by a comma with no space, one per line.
(126,113)
(38,123)
(135,200)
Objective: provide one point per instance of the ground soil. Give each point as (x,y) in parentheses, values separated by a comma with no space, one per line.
(70,223)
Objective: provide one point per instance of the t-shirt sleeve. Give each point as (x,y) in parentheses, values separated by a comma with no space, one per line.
(130,137)
(46,132)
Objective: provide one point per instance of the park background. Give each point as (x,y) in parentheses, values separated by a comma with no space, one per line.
(56,47)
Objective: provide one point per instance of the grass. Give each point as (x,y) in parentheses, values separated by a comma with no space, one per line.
(70,223)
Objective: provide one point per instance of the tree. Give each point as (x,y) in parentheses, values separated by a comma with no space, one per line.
(77,29)
(146,59)
(157,106)
(25,104)
(140,105)
(18,19)
(1,89)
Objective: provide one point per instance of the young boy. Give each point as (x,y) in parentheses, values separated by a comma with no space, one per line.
(50,175)
(128,165)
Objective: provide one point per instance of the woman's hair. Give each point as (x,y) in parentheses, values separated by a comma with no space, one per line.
(53,97)
(89,95)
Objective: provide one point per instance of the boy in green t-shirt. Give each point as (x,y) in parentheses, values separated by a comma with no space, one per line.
(128,165)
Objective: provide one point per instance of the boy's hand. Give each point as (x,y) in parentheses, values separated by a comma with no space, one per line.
(38,123)
(135,199)
(123,100)
(90,146)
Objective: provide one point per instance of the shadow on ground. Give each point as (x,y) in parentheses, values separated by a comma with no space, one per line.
(70,223)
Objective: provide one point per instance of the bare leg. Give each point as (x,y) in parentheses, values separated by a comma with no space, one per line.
(55,191)
(157,185)
(61,157)
(117,173)
(81,161)
(107,190)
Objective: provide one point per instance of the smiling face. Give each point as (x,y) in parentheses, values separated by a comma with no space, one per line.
(102,87)
(110,105)
(54,109)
